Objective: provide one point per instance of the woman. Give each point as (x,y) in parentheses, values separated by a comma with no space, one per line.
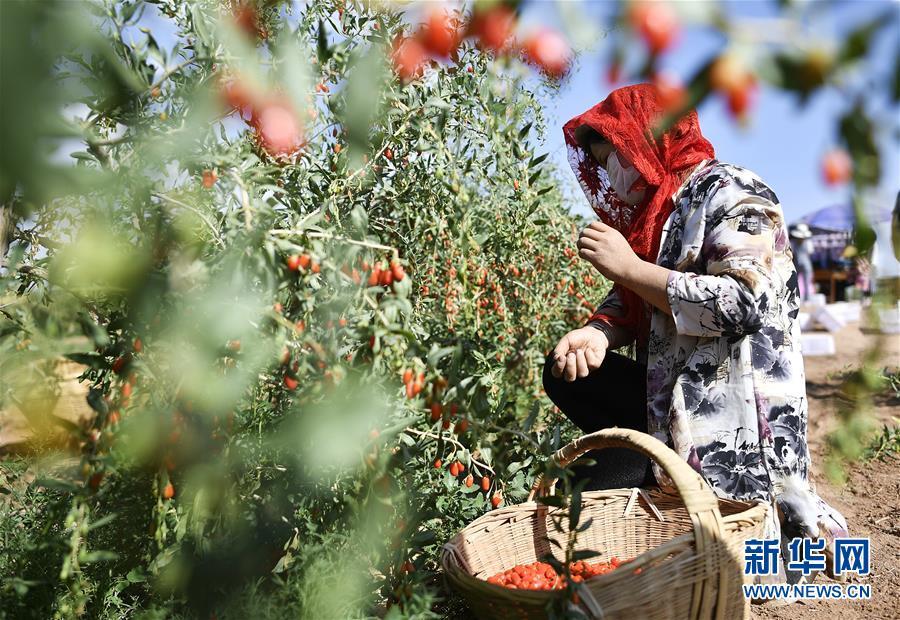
(802,249)
(705,286)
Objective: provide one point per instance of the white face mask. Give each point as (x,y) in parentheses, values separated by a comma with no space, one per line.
(621,179)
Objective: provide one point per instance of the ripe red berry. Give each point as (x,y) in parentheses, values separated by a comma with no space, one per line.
(461,427)
(728,73)
(438,34)
(837,167)
(496,500)
(485,484)
(469,480)
(95,481)
(438,463)
(246,18)
(168,491)
(740,101)
(436,411)
(493,27)
(209,178)
(386,277)
(277,128)
(118,364)
(293,262)
(235,94)
(290,382)
(409,57)
(374,277)
(397,270)
(657,24)
(550,51)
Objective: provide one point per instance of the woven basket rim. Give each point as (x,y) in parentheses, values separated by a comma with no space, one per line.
(750,511)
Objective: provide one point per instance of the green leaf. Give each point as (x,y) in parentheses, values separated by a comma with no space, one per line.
(539,159)
(322,44)
(524,131)
(98,556)
(532,416)
(136,575)
(585,554)
(575,508)
(856,45)
(516,466)
(551,500)
(423,537)
(436,355)
(97,402)
(96,333)
(102,521)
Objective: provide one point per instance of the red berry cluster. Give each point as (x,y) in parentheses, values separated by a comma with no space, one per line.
(542,576)
(384,274)
(492,27)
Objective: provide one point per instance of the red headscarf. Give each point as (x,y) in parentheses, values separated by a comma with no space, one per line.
(626,118)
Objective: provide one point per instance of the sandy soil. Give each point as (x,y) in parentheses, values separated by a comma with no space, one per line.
(870,500)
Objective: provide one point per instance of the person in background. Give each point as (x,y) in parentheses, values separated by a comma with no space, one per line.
(705,286)
(802,250)
(859,275)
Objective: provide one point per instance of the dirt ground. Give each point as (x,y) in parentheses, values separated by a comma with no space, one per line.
(871,499)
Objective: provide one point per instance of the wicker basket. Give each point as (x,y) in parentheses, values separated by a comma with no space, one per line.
(688,546)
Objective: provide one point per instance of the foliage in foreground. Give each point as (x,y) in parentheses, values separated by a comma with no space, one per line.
(289,349)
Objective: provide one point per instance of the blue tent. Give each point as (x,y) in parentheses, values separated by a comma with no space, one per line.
(841,217)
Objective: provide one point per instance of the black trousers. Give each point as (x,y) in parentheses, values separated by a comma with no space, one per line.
(615,394)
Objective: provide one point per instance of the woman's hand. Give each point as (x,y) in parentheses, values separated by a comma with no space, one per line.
(608,251)
(579,352)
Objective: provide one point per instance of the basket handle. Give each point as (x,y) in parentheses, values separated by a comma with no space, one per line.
(699,500)
(692,488)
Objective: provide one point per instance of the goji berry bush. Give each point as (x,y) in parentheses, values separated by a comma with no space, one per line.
(313,295)
(311,257)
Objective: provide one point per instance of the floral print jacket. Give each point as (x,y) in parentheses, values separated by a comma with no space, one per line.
(725,382)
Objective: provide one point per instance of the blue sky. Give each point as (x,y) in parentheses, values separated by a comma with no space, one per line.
(783,143)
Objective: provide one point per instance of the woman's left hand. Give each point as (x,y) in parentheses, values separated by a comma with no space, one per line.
(607,250)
